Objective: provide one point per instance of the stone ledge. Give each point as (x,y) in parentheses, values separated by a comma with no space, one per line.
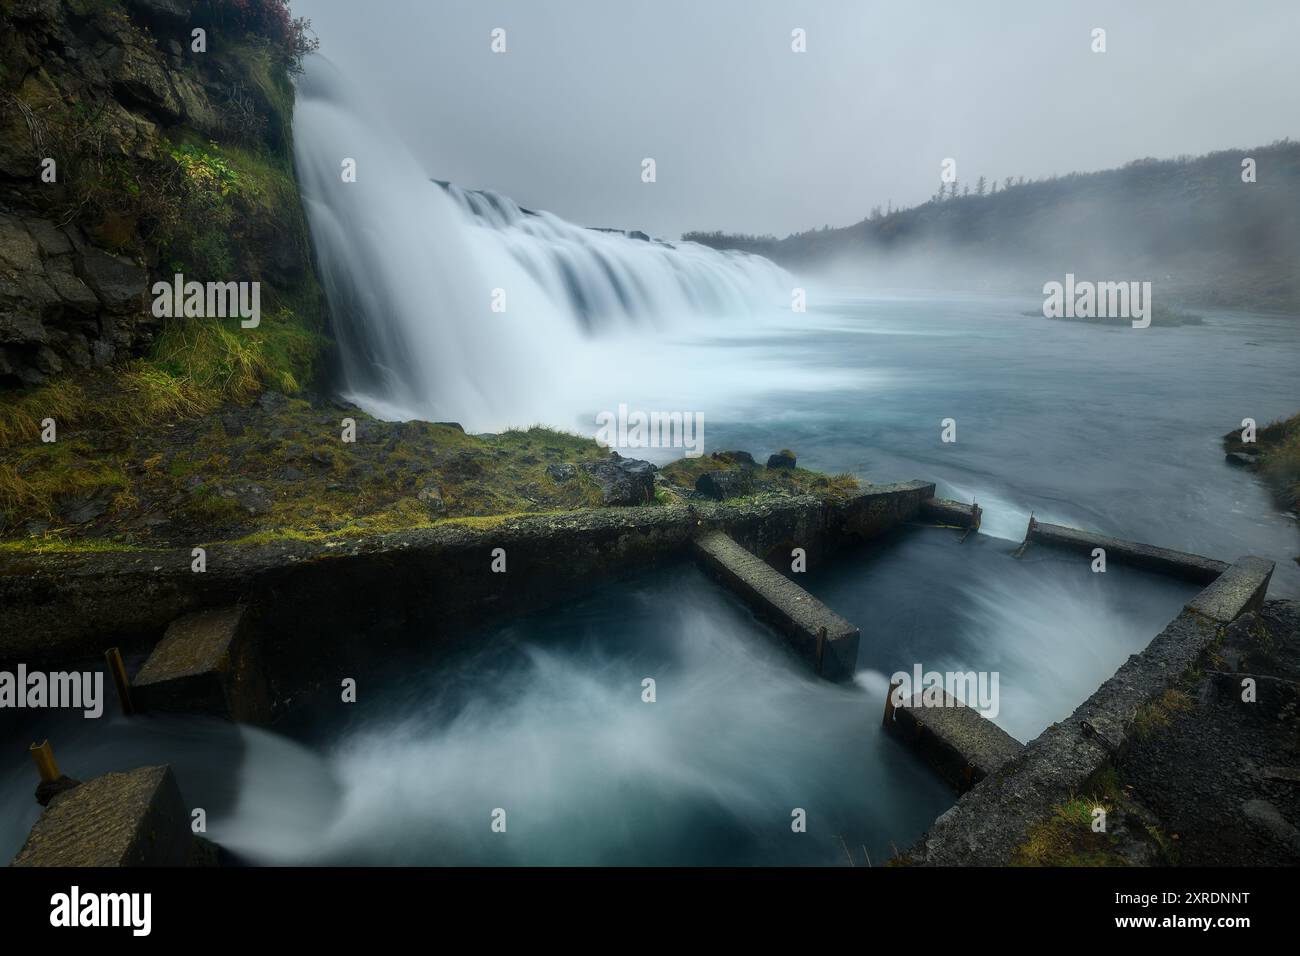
(816,632)
(205,663)
(992,820)
(958,741)
(136,818)
(1193,567)
(1239,589)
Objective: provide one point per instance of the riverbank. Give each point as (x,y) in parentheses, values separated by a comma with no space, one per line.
(1274,455)
(141,141)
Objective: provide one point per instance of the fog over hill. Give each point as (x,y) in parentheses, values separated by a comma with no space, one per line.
(1190,225)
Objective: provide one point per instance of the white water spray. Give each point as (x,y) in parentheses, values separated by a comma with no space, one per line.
(413,267)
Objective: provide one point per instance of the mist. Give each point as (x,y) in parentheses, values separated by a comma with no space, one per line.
(751,137)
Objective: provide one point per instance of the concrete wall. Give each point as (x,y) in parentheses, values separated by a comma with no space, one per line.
(992,820)
(319,609)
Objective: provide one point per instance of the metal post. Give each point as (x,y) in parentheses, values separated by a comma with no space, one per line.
(43,757)
(889,702)
(118,670)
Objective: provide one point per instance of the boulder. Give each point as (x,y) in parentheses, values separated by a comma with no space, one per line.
(725,483)
(623,481)
(782,459)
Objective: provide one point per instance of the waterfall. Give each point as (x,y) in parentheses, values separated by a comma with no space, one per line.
(457,304)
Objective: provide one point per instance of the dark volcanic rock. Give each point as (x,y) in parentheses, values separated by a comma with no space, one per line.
(782,459)
(623,481)
(119,282)
(723,484)
(562,472)
(81,510)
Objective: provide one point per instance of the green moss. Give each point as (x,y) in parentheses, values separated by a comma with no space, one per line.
(685,472)
(270,112)
(1066,837)
(35,480)
(58,544)
(1156,714)
(1278,446)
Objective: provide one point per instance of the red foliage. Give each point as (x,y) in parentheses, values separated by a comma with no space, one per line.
(271,19)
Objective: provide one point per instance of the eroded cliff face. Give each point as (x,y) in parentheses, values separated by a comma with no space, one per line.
(132,147)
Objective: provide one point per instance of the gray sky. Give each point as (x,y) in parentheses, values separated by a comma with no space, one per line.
(749,136)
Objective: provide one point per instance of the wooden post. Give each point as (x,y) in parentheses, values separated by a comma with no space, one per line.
(43,757)
(118,670)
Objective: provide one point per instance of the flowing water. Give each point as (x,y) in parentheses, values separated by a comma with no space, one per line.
(1113,429)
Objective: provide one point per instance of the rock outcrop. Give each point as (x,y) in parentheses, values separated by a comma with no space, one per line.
(94,97)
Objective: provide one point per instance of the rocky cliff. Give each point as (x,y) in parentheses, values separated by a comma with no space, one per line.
(139,138)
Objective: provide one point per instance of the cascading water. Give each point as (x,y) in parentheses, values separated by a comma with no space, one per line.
(413,267)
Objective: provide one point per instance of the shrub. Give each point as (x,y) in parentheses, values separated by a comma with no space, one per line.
(290,35)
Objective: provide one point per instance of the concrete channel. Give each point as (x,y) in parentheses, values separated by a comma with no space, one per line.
(269,626)
(265,627)
(995,817)
(1191,567)
(819,635)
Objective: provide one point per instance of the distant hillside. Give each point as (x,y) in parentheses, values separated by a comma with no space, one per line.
(1189,225)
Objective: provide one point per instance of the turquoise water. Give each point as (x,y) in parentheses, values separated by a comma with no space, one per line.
(1111,429)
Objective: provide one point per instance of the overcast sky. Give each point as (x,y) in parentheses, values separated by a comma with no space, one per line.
(749,136)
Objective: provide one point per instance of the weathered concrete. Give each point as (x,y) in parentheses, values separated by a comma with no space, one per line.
(1239,589)
(816,632)
(1212,755)
(955,513)
(324,609)
(205,663)
(962,745)
(135,818)
(882,507)
(992,820)
(1192,567)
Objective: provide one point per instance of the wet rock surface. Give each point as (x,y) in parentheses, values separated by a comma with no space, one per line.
(622,481)
(1222,774)
(721,485)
